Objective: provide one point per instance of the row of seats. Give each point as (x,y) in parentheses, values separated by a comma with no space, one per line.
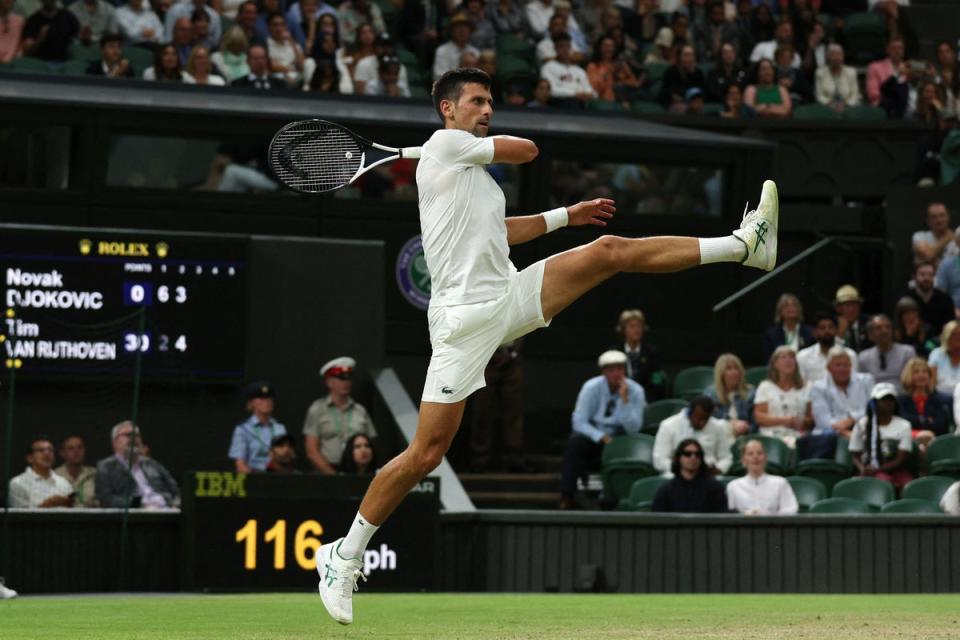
(853,495)
(629,458)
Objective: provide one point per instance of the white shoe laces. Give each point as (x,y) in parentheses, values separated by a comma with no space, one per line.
(349,584)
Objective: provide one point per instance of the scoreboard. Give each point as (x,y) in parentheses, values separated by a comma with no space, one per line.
(84,301)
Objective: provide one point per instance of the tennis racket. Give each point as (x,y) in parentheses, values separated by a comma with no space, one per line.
(316,156)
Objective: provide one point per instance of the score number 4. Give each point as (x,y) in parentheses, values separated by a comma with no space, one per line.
(305,545)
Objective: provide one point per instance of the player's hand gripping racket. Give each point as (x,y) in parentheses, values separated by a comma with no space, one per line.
(315,156)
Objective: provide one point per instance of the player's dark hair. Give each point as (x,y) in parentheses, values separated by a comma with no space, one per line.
(450,85)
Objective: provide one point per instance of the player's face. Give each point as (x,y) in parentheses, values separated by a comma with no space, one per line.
(472,111)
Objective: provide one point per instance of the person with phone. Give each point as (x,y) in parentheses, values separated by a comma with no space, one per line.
(38,487)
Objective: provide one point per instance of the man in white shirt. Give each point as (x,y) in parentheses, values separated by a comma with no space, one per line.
(184,9)
(447,57)
(38,486)
(368,69)
(758,493)
(696,421)
(813,359)
(138,23)
(768,48)
(569,85)
(840,398)
(479,300)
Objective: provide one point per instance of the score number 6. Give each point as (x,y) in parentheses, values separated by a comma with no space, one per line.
(305,545)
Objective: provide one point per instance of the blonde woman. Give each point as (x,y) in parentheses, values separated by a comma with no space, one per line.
(781,406)
(231,59)
(199,66)
(920,405)
(732,396)
(788,327)
(945,360)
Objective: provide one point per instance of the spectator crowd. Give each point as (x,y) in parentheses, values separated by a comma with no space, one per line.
(881,386)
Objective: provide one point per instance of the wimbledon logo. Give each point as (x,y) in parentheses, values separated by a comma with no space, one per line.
(412,275)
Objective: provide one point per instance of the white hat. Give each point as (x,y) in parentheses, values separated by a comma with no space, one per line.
(343,364)
(612,358)
(882,390)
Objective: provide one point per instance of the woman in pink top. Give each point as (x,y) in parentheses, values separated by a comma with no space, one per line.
(10,27)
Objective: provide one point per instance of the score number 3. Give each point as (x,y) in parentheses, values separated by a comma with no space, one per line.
(305,545)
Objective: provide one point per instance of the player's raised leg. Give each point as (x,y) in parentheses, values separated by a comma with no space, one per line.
(340,563)
(570,274)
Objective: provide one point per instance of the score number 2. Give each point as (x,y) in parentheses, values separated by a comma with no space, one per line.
(305,544)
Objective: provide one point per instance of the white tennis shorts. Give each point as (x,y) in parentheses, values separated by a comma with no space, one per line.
(465,336)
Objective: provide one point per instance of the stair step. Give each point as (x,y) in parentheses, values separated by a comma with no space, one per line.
(515,499)
(545,462)
(506,482)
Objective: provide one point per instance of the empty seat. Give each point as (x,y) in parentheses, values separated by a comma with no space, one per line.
(840,505)
(874,492)
(865,36)
(814,112)
(626,459)
(690,383)
(756,375)
(930,488)
(943,456)
(643,492)
(656,412)
(808,491)
(910,505)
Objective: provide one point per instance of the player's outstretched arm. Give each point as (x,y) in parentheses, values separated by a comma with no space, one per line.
(513,150)
(522,229)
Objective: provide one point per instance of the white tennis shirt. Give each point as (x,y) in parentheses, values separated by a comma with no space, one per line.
(462,218)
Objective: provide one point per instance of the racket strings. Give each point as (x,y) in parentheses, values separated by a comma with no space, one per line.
(315,157)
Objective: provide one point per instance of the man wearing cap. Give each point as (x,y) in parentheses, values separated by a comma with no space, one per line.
(851,322)
(694,101)
(250,445)
(333,419)
(368,69)
(697,422)
(886,359)
(608,405)
(841,397)
(812,360)
(881,442)
(283,453)
(448,54)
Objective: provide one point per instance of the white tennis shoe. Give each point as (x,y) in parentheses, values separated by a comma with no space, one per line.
(758,231)
(6,593)
(338,581)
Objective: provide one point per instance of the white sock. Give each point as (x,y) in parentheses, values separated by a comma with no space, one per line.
(357,539)
(728,249)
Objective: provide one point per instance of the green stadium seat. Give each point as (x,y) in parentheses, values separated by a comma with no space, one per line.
(604,105)
(645,106)
(643,492)
(829,472)
(407,58)
(510,68)
(808,491)
(509,45)
(26,64)
(840,505)
(140,59)
(712,109)
(655,71)
(656,412)
(690,383)
(864,112)
(943,456)
(930,488)
(814,112)
(779,455)
(910,505)
(873,491)
(725,480)
(626,459)
(75,67)
(226,23)
(85,52)
(416,91)
(865,36)
(756,375)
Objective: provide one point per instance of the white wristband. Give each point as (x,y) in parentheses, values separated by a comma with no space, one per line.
(555,218)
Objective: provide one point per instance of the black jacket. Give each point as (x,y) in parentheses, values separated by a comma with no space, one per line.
(775,337)
(267,83)
(703,494)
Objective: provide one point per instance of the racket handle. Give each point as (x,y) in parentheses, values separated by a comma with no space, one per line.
(410,152)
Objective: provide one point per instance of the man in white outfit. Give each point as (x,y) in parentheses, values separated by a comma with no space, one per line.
(697,422)
(479,299)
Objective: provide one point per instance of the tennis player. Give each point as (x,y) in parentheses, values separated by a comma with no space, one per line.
(479,300)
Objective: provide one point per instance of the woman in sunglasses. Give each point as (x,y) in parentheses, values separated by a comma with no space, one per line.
(693,489)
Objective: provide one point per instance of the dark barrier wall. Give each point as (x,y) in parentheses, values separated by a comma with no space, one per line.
(518,552)
(306,301)
(504,551)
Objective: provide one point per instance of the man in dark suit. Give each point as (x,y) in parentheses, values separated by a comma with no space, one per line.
(259,76)
(130,478)
(112,64)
